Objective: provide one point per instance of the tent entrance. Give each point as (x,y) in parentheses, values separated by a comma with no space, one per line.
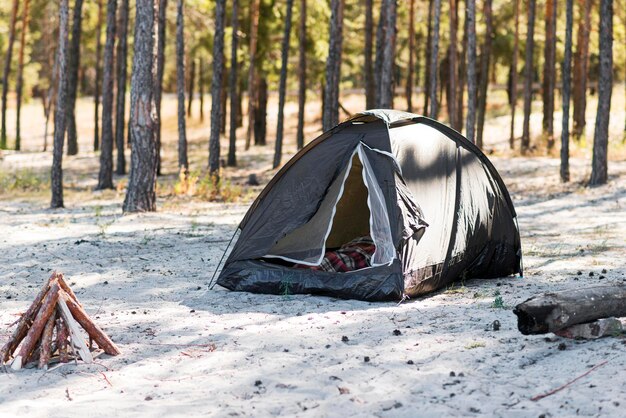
(353,210)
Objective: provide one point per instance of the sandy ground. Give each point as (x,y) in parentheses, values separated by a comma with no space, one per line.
(192,352)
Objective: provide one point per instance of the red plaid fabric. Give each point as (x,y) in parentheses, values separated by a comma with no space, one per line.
(355,255)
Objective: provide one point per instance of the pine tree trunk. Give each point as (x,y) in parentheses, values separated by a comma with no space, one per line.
(567,80)
(581,63)
(452,61)
(330,116)
(122,73)
(470,122)
(252,75)
(514,76)
(60,114)
(96,133)
(105,177)
(370,93)
(434,53)
(461,75)
(141,192)
(528,75)
(72,81)
(192,79)
(160,65)
(278,149)
(20,74)
(232,86)
(599,169)
(5,75)
(260,118)
(223,96)
(549,72)
(216,89)
(483,86)
(51,40)
(201,82)
(183,163)
(380,51)
(389,52)
(302,71)
(429,49)
(409,77)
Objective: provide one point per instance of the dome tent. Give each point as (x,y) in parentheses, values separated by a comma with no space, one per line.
(431,201)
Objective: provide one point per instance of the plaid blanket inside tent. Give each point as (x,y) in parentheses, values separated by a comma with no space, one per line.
(356,254)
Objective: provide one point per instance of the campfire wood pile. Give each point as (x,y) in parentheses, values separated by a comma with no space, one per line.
(50,329)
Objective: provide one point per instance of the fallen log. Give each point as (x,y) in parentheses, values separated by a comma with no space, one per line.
(24,323)
(551,312)
(592,330)
(94,331)
(44,313)
(46,343)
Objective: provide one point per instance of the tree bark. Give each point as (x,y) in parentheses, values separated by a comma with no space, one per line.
(141,195)
(105,177)
(72,80)
(485,56)
(380,51)
(514,76)
(201,82)
(302,71)
(183,163)
(216,89)
(389,51)
(452,61)
(567,84)
(232,86)
(528,75)
(96,134)
(330,116)
(554,311)
(260,118)
(278,150)
(549,72)
(160,64)
(429,49)
(46,342)
(252,75)
(223,94)
(599,169)
(461,74)
(409,77)
(581,63)
(434,53)
(370,86)
(56,183)
(20,74)
(5,75)
(122,73)
(470,122)
(192,78)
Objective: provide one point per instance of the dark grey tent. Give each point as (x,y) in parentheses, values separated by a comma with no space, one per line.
(431,201)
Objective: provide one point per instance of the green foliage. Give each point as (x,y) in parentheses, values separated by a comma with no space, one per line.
(22,181)
(498,302)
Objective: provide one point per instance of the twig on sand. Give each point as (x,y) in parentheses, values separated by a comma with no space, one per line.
(553,391)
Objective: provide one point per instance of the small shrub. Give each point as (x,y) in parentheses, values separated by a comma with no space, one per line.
(22,180)
(498,303)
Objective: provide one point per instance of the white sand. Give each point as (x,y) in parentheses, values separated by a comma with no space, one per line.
(144,277)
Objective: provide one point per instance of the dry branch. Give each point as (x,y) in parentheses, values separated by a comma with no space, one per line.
(24,323)
(62,334)
(47,308)
(75,338)
(94,331)
(46,343)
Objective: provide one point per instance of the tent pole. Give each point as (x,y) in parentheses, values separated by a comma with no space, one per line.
(211,284)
